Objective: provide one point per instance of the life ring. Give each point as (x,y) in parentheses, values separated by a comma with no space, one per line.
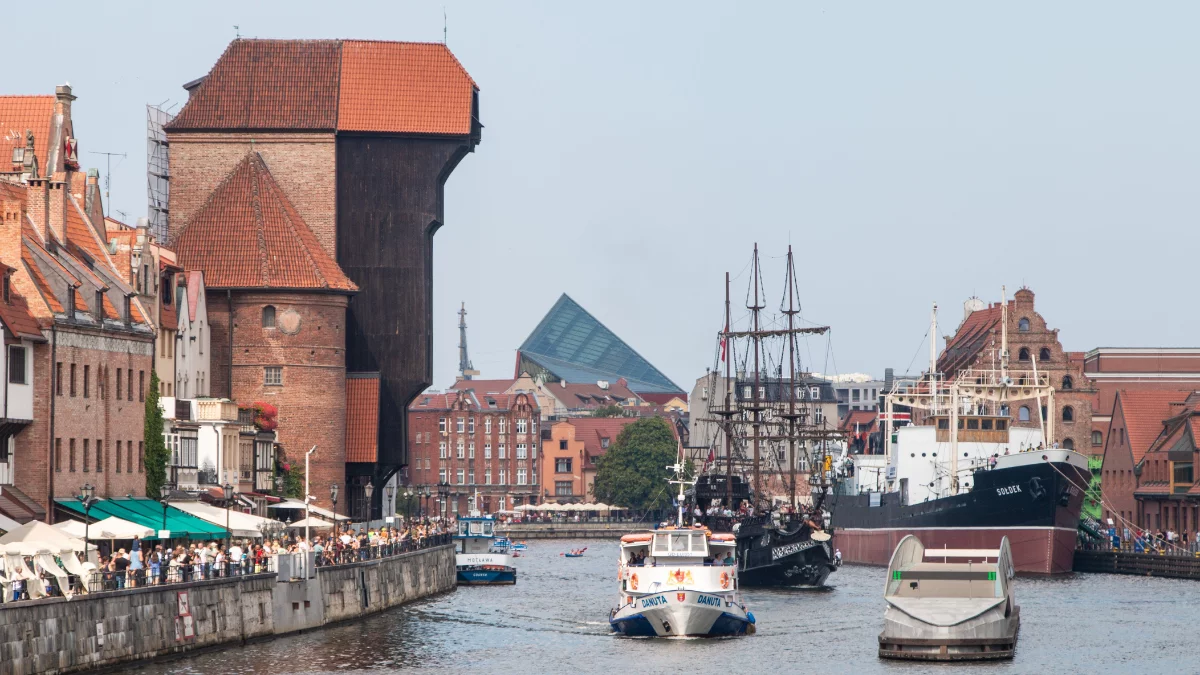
(633,581)
(724,579)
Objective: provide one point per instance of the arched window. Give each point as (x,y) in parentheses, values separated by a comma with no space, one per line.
(1068,413)
(1044,354)
(1097,438)
(1023,355)
(1068,383)
(1069,444)
(1023,414)
(1023,325)
(268,317)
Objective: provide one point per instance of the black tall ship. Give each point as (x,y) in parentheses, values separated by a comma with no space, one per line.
(768,471)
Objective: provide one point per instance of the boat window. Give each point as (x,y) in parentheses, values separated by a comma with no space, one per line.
(972,424)
(679,541)
(943,424)
(476,527)
(462,527)
(960,424)
(986,425)
(1001,425)
(487,529)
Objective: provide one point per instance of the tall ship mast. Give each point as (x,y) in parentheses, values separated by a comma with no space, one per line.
(769,470)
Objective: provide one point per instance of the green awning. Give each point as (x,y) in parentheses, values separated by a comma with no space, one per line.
(149,513)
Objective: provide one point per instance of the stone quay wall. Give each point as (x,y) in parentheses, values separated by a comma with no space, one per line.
(105,630)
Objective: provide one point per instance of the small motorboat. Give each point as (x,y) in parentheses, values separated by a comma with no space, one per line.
(574,553)
(519,546)
(938,610)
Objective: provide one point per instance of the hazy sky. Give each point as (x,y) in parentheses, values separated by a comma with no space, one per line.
(633,152)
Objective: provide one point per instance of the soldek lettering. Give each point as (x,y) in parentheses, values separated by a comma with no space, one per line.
(1010,490)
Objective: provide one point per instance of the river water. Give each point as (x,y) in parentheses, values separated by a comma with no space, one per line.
(555,621)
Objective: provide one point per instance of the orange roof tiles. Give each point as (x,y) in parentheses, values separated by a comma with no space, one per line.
(1145,412)
(593,430)
(267,84)
(483,386)
(17,318)
(969,339)
(39,280)
(19,114)
(80,234)
(327,85)
(362,418)
(248,235)
(403,87)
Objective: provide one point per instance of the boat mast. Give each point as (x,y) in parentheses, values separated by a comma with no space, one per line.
(727,352)
(933,357)
(791,315)
(757,343)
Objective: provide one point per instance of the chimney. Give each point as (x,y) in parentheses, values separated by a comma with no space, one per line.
(29,165)
(62,142)
(92,205)
(63,98)
(889,376)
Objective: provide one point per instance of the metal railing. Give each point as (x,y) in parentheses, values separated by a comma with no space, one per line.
(340,554)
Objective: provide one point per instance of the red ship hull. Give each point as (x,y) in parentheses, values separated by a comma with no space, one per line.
(1035,550)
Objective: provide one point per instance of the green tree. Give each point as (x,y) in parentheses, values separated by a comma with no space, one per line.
(157,455)
(613,410)
(634,472)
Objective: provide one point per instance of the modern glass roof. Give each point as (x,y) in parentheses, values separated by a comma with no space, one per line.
(571,344)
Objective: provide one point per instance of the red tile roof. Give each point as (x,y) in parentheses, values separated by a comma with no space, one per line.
(590,395)
(16,316)
(81,235)
(362,418)
(592,431)
(1144,412)
(267,84)
(403,87)
(863,419)
(19,114)
(970,338)
(248,235)
(327,85)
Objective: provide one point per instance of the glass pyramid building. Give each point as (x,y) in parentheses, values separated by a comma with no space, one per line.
(570,344)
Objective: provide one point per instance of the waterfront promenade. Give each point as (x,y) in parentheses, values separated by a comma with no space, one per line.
(108,628)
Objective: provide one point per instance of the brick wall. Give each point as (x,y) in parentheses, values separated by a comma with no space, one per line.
(425,423)
(302,164)
(103,415)
(309,344)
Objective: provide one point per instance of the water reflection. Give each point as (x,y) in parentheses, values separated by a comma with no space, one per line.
(555,620)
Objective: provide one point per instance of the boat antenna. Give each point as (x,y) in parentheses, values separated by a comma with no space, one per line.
(727,355)
(1003,332)
(791,316)
(933,357)
(756,339)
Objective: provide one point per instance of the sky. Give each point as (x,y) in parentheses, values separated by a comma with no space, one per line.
(632,153)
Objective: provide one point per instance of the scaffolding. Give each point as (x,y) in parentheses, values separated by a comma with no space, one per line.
(158,171)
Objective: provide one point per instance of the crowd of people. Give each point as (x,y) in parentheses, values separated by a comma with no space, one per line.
(150,563)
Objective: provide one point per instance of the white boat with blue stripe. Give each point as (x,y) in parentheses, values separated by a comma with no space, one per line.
(678,582)
(479,559)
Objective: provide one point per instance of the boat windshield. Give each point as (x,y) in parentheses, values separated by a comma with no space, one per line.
(679,543)
(475,528)
(925,580)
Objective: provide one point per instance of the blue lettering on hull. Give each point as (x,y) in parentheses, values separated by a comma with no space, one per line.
(709,600)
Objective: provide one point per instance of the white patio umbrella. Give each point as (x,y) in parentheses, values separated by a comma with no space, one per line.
(314,523)
(601,506)
(36,535)
(118,528)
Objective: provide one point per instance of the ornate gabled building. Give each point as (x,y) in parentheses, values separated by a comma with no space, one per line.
(359,138)
(80,342)
(977,342)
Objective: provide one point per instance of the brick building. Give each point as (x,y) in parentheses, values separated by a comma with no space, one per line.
(84,333)
(1113,369)
(1168,493)
(976,344)
(1137,420)
(468,443)
(570,454)
(278,317)
(358,139)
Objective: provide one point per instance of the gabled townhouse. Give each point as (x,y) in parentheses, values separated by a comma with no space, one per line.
(88,374)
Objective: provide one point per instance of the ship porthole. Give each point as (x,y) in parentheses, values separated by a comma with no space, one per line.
(922,454)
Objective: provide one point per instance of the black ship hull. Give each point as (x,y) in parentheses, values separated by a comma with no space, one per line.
(781,556)
(1035,504)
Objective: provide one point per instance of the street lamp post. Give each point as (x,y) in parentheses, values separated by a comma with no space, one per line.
(368,490)
(443,494)
(390,491)
(164,493)
(333,493)
(87,496)
(228,504)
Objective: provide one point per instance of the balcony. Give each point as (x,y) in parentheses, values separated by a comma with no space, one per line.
(216,410)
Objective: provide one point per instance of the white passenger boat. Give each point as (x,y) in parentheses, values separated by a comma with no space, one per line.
(949,604)
(481,558)
(679,582)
